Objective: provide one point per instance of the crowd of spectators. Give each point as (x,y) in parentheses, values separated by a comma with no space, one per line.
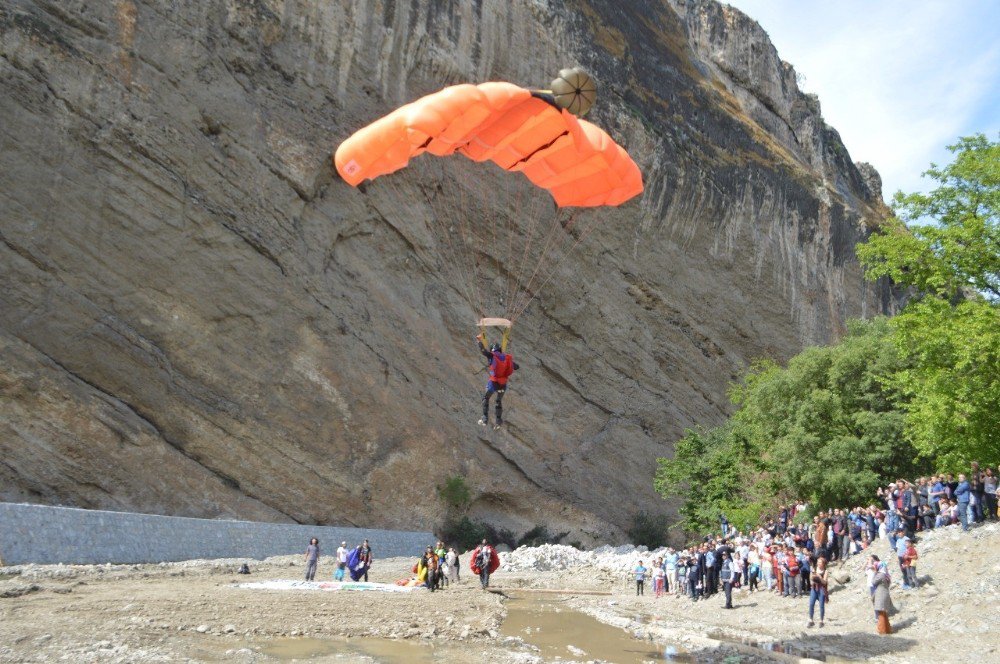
(789,552)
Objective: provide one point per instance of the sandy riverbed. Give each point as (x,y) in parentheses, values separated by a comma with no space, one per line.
(195,611)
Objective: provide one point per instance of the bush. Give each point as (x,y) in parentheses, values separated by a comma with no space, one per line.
(648,530)
(455,493)
(466,534)
(540,535)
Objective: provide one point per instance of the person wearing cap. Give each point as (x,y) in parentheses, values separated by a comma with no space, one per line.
(342,553)
(727,574)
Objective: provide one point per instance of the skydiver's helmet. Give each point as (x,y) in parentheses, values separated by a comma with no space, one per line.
(495,348)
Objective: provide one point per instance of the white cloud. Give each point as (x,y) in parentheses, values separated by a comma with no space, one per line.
(898,79)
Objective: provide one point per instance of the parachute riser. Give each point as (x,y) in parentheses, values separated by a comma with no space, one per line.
(502,324)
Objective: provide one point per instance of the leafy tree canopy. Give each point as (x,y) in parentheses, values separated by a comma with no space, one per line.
(960,249)
(894,398)
(951,332)
(824,429)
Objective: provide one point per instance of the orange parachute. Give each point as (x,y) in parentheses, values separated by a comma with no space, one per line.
(534,132)
(515,128)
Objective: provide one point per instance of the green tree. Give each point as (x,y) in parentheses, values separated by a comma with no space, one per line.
(830,423)
(455,494)
(827,428)
(950,333)
(952,242)
(953,385)
(715,472)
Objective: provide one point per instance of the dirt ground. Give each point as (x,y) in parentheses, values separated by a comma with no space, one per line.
(193,611)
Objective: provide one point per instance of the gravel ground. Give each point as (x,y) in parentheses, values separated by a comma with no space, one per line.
(193,611)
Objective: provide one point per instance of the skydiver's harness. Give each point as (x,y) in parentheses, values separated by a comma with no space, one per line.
(500,370)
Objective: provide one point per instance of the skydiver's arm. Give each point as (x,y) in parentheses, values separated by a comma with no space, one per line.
(482,349)
(516,367)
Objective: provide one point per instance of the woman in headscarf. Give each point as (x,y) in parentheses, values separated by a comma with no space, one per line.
(881,601)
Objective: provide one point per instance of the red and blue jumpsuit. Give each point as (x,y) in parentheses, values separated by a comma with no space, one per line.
(502,365)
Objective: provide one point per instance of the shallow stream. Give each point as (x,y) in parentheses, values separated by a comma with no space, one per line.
(559,631)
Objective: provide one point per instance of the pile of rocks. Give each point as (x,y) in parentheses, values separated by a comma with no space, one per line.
(559,557)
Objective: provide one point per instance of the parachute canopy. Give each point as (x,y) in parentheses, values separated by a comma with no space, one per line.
(515,128)
(498,237)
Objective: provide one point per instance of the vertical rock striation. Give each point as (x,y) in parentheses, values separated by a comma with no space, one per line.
(199,319)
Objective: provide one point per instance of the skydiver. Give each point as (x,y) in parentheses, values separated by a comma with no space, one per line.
(501,366)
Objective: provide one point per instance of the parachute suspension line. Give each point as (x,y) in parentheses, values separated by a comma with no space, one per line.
(492,222)
(456,215)
(540,207)
(424,174)
(469,247)
(583,236)
(551,237)
(509,262)
(457,265)
(523,263)
(542,237)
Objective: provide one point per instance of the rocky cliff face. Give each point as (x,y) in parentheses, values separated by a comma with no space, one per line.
(198,318)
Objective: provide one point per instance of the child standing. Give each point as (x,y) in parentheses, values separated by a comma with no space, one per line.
(659,578)
(910,565)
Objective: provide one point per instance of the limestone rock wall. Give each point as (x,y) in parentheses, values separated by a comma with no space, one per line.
(198,318)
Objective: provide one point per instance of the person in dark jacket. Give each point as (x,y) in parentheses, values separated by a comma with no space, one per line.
(962,493)
(726,575)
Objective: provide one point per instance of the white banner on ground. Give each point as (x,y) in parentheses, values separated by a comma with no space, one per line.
(326,585)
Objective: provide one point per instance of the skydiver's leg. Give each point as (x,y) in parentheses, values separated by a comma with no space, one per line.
(499,410)
(486,404)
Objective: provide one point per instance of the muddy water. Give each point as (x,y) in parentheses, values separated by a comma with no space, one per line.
(386,651)
(558,631)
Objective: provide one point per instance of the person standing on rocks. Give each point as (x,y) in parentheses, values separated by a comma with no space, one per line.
(451,565)
(442,554)
(484,562)
(640,578)
(990,494)
(342,554)
(312,558)
(881,600)
(726,575)
(819,587)
(710,571)
(365,557)
(659,578)
(910,565)
(902,541)
(670,567)
(962,494)
(754,567)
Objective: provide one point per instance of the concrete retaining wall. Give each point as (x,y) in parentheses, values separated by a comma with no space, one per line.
(47,535)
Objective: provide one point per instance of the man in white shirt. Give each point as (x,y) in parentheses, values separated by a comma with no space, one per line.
(342,559)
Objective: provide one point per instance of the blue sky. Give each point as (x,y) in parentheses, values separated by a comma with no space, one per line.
(899,79)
